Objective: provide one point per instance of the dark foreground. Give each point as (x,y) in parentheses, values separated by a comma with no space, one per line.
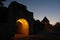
(42,36)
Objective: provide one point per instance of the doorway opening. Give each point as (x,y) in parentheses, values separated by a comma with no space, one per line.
(23,27)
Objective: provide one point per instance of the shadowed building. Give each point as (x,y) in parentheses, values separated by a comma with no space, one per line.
(38,27)
(19,13)
(3,23)
(56,27)
(47,25)
(15,19)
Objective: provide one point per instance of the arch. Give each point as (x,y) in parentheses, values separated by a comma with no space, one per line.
(23,26)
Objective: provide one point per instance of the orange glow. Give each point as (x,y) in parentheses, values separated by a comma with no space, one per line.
(23,26)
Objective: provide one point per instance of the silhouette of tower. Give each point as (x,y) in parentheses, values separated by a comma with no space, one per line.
(45,20)
(47,25)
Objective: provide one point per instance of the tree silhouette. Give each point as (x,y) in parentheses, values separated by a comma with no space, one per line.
(1,2)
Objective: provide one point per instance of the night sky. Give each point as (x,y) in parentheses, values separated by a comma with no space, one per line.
(41,8)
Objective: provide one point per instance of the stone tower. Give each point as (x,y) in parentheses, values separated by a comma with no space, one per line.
(47,25)
(18,11)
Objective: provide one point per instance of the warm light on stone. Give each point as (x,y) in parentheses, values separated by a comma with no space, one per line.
(23,27)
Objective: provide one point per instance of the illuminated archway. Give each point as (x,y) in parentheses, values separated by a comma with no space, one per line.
(23,26)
